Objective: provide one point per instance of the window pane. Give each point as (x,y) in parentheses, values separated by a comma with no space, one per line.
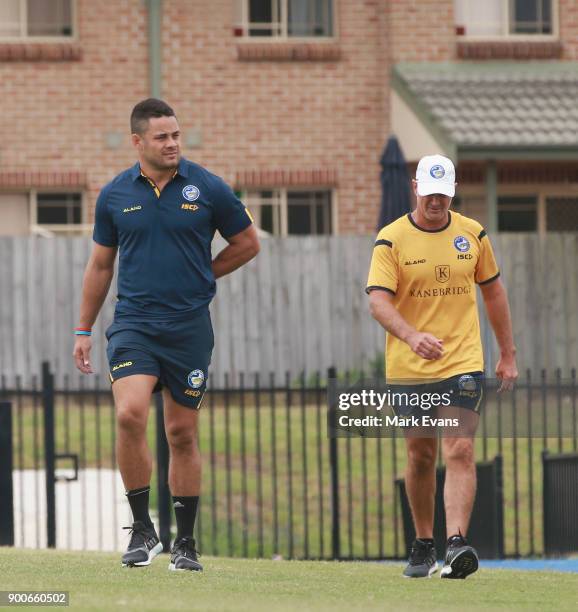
(480,18)
(52,215)
(49,17)
(547,15)
(562,214)
(265,206)
(517,214)
(532,17)
(10,18)
(266,222)
(299,220)
(264,16)
(76,214)
(60,208)
(310,18)
(309,212)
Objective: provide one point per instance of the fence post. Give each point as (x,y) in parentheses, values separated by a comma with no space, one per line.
(49,451)
(334,468)
(164,494)
(6,485)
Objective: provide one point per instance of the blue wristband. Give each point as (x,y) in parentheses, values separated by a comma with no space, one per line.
(82,333)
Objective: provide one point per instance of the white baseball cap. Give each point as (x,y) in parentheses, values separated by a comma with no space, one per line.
(436,174)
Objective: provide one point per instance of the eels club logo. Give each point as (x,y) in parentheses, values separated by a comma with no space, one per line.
(462,244)
(191,193)
(196,378)
(437,172)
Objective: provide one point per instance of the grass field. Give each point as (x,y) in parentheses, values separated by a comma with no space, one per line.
(96,581)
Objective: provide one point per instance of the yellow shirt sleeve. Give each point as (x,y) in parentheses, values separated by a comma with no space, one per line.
(487,269)
(383,270)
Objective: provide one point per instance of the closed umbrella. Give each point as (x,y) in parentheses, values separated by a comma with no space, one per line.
(395,184)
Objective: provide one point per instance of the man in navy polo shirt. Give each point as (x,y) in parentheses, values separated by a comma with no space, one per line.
(161,216)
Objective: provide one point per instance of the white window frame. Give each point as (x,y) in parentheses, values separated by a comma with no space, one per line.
(245,25)
(280,194)
(24,37)
(52,229)
(540,191)
(506,34)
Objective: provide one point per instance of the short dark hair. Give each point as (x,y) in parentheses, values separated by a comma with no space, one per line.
(143,111)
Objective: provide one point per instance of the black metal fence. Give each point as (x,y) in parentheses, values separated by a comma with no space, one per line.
(274,484)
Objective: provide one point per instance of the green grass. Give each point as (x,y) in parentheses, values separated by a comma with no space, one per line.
(96,581)
(228,468)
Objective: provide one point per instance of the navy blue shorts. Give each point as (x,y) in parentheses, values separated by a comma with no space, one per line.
(465,391)
(178,353)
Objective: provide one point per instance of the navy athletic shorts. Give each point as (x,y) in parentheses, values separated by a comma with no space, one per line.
(462,391)
(178,353)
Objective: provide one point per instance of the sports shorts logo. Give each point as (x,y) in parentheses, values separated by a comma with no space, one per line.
(462,244)
(442,274)
(191,193)
(196,378)
(437,172)
(125,364)
(467,382)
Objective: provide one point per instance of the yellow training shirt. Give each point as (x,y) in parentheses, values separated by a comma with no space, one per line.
(432,274)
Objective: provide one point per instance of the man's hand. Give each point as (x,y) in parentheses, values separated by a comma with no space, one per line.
(425,345)
(507,372)
(81,354)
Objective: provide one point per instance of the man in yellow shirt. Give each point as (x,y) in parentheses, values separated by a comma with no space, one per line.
(422,291)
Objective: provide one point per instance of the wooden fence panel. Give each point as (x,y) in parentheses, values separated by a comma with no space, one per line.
(300,306)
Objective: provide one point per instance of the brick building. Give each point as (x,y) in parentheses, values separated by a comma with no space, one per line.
(291,101)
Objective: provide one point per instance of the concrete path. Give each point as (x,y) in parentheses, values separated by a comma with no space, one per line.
(90,512)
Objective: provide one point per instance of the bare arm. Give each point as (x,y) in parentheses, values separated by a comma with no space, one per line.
(386,314)
(242,248)
(498,310)
(97,278)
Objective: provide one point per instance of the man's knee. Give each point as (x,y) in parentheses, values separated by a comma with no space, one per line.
(132,417)
(421,456)
(182,438)
(459,450)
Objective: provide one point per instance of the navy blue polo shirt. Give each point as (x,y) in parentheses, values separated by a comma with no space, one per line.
(164,239)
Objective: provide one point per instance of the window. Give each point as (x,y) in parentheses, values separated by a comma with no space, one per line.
(42,212)
(517,214)
(496,18)
(291,212)
(35,18)
(562,214)
(58,209)
(284,18)
(57,213)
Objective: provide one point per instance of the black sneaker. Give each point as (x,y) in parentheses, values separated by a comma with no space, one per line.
(461,559)
(422,560)
(143,547)
(184,556)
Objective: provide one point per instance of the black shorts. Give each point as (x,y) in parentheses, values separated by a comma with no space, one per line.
(178,353)
(465,391)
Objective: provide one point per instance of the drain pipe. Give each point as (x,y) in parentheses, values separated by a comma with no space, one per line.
(154,9)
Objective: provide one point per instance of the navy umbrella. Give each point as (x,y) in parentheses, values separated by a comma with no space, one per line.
(395,184)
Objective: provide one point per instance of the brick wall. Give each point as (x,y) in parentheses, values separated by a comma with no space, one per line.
(312,110)
(569,28)
(325,111)
(56,112)
(421,30)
